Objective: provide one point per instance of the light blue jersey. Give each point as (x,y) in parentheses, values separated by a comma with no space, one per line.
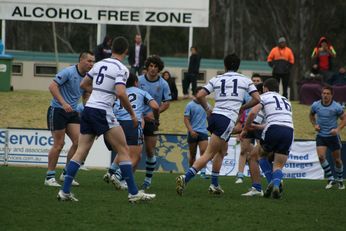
(158,89)
(197,115)
(138,98)
(68,80)
(327,116)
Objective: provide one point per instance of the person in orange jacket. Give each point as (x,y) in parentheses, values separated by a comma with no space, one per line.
(281,59)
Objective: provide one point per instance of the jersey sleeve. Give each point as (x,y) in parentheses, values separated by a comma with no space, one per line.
(339,110)
(187,111)
(313,108)
(210,86)
(91,73)
(166,92)
(121,77)
(61,77)
(147,97)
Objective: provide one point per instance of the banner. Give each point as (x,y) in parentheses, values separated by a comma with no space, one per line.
(192,13)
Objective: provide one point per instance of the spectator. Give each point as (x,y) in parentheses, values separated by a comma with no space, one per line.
(323,55)
(339,78)
(192,73)
(137,56)
(281,59)
(171,83)
(103,50)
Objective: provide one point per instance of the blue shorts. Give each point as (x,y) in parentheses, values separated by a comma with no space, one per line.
(97,121)
(134,136)
(221,126)
(332,142)
(58,118)
(201,137)
(149,128)
(277,139)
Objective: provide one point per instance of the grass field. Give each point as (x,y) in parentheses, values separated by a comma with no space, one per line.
(28,109)
(26,204)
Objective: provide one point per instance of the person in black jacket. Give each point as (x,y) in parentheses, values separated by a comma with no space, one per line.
(137,55)
(172,86)
(103,50)
(192,73)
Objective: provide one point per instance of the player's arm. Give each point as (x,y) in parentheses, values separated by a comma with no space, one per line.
(312,117)
(55,91)
(155,107)
(250,118)
(342,124)
(124,100)
(255,99)
(87,86)
(164,106)
(201,98)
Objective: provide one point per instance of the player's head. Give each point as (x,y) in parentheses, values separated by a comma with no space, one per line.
(86,61)
(197,90)
(271,84)
(154,60)
(327,94)
(120,45)
(256,78)
(132,81)
(231,62)
(259,88)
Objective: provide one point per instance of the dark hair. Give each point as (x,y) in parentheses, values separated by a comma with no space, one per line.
(83,54)
(231,62)
(169,74)
(131,80)
(272,84)
(198,89)
(259,88)
(154,59)
(328,87)
(256,75)
(194,47)
(120,45)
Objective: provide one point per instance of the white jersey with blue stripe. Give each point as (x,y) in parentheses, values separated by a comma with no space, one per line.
(230,89)
(138,99)
(158,89)
(106,74)
(277,109)
(68,80)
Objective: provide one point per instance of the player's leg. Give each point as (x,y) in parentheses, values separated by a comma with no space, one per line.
(245,149)
(192,152)
(135,155)
(203,144)
(214,187)
(150,140)
(321,152)
(335,146)
(279,163)
(53,156)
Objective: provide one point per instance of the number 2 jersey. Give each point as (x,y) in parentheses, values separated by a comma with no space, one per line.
(230,89)
(105,75)
(277,109)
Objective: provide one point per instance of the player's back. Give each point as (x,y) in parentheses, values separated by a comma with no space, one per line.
(138,99)
(277,109)
(106,74)
(230,89)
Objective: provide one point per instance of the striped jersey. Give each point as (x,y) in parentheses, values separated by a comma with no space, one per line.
(69,80)
(158,89)
(105,75)
(138,99)
(277,109)
(230,89)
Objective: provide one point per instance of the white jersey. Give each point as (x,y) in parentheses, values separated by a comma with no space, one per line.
(230,89)
(260,118)
(106,74)
(277,109)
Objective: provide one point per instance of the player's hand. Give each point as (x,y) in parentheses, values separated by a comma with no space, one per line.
(334,131)
(194,134)
(135,121)
(156,124)
(317,127)
(67,107)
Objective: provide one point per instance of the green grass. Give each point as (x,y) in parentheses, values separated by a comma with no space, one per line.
(26,204)
(28,109)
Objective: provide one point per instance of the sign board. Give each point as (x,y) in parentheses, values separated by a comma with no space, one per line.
(180,13)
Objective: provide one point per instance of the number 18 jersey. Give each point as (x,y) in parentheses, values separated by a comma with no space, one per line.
(230,89)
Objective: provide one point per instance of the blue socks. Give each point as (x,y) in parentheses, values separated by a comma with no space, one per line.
(190,174)
(50,174)
(339,173)
(126,170)
(149,167)
(71,172)
(215,178)
(257,186)
(267,168)
(277,177)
